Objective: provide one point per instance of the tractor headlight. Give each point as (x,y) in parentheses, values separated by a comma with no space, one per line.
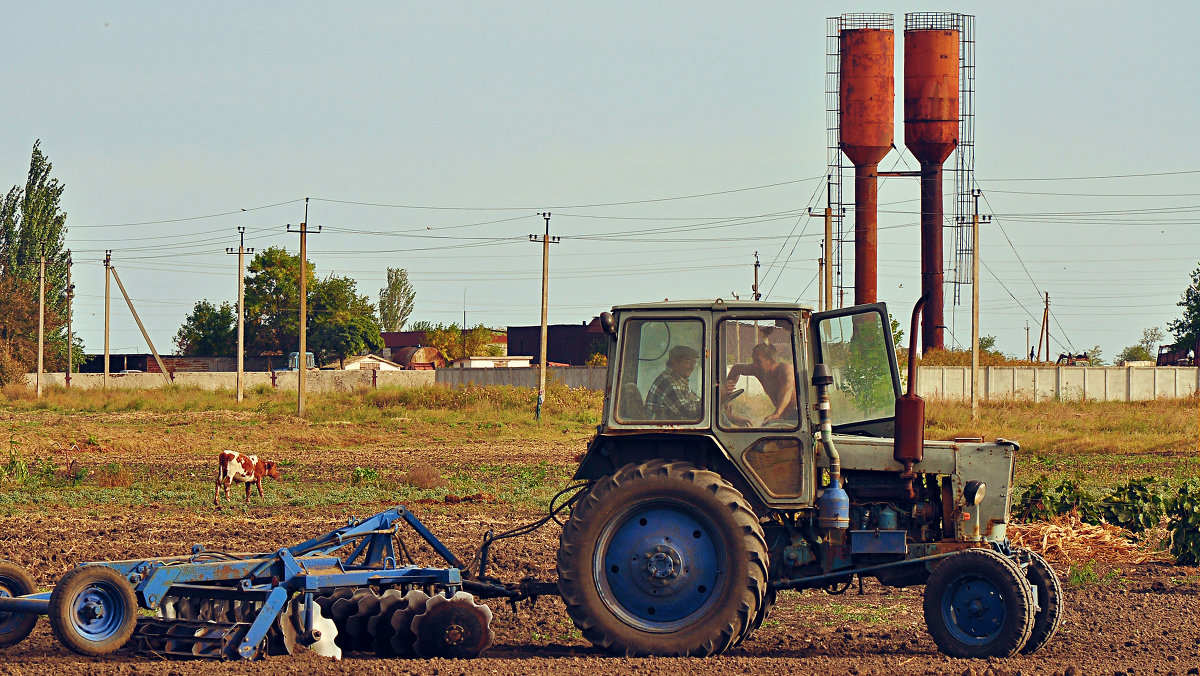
(973,492)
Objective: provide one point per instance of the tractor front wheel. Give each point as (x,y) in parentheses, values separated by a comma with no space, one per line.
(663,558)
(978,604)
(1049,616)
(93,610)
(14,581)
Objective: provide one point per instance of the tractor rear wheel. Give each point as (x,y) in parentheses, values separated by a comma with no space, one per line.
(978,604)
(1049,616)
(663,558)
(93,610)
(15,581)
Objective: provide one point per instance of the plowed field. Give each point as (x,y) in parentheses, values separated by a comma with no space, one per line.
(1131,619)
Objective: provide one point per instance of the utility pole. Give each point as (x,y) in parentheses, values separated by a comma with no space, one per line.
(41,319)
(129,301)
(107,298)
(241,252)
(70,339)
(821,280)
(302,360)
(975,305)
(1044,332)
(757,295)
(546,240)
(828,242)
(1027,350)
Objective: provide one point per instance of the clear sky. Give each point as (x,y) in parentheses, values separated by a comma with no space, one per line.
(670,141)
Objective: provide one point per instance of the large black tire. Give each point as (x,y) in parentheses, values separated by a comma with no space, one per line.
(978,604)
(663,558)
(14,581)
(93,610)
(1049,616)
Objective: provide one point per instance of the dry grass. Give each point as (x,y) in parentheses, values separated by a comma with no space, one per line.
(425,476)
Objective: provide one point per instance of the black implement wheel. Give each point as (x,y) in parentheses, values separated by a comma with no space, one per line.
(14,581)
(663,558)
(1049,616)
(93,610)
(978,604)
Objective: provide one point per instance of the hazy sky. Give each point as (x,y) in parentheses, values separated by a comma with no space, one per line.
(670,140)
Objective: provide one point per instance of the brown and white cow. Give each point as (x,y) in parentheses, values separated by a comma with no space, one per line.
(247,469)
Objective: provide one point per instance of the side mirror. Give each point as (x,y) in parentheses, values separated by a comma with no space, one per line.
(608,324)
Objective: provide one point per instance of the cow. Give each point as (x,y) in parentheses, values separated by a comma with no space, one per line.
(247,469)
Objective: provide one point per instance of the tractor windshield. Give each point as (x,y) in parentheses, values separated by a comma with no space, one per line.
(857,350)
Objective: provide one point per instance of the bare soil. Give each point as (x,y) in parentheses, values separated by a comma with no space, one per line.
(1130,619)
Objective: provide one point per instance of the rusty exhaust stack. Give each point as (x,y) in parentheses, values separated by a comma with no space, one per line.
(866,102)
(931,134)
(909,446)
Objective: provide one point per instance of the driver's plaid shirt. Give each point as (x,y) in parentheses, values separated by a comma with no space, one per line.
(670,398)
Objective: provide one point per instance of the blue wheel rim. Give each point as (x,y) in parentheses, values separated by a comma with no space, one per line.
(974,610)
(659,565)
(98,612)
(8,621)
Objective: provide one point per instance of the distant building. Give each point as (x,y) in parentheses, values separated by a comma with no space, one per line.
(491,362)
(394,341)
(370,362)
(569,344)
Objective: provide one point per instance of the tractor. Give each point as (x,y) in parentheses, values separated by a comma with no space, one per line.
(752,447)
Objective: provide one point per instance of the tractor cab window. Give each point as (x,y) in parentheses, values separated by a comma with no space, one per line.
(758,374)
(857,348)
(661,372)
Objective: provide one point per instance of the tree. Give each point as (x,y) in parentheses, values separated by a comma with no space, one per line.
(33,225)
(209,331)
(340,322)
(1094,357)
(396,300)
(1145,348)
(343,321)
(455,343)
(1186,329)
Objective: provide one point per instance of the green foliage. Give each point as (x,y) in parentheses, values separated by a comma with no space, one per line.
(208,331)
(868,371)
(1185,524)
(1134,353)
(1137,505)
(396,300)
(454,343)
(363,475)
(1041,501)
(1095,357)
(1186,329)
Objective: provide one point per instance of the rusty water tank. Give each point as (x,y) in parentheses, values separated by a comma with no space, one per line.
(866,101)
(931,128)
(419,358)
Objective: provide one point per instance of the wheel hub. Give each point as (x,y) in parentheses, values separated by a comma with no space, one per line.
(91,611)
(663,564)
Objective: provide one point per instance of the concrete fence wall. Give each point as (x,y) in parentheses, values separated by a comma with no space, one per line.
(1098,383)
(933,382)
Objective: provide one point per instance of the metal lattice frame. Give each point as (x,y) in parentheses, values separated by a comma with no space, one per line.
(836,162)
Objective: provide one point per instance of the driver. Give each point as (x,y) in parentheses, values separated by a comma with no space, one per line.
(670,397)
(777,379)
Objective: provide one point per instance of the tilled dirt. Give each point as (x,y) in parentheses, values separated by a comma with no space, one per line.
(1137,619)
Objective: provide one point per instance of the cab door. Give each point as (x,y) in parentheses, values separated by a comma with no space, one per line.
(758,401)
(856,344)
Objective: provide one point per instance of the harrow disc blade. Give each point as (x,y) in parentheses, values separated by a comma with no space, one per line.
(380,624)
(403,638)
(341,611)
(326,601)
(290,621)
(456,627)
(356,635)
(166,609)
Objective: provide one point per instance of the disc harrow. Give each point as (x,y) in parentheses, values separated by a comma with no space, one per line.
(340,593)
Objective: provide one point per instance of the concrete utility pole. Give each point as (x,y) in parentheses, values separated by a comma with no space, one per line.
(107,298)
(302,361)
(241,348)
(828,242)
(70,339)
(41,320)
(821,280)
(975,305)
(546,240)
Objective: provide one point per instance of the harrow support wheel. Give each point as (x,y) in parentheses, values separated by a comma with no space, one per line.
(978,604)
(663,558)
(93,610)
(1049,616)
(15,581)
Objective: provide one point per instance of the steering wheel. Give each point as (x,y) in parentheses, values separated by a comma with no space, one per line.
(727,399)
